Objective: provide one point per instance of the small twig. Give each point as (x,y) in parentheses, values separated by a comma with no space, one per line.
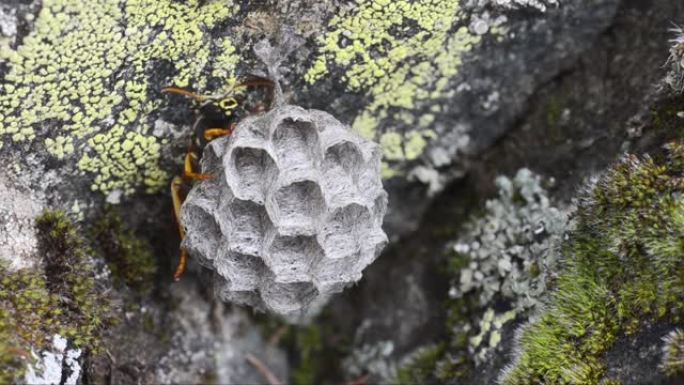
(111,357)
(263,369)
(278,335)
(363,380)
(19,352)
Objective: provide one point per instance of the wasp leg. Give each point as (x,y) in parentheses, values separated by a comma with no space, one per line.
(213,133)
(182,261)
(176,186)
(363,380)
(189,170)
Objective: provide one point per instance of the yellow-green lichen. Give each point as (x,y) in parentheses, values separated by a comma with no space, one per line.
(490,326)
(60,146)
(408,146)
(400,53)
(81,80)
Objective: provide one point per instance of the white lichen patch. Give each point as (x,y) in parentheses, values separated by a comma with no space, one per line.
(375,359)
(675,77)
(510,248)
(8,21)
(18,210)
(510,253)
(54,365)
(541,5)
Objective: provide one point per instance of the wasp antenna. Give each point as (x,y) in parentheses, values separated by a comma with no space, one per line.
(180,91)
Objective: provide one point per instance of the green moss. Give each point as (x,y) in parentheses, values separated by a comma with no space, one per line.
(61,299)
(129,258)
(309,344)
(315,349)
(456,362)
(665,116)
(29,316)
(611,382)
(401,54)
(11,366)
(622,270)
(673,353)
(70,275)
(82,80)
(421,366)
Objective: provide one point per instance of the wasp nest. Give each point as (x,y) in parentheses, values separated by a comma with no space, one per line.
(293,215)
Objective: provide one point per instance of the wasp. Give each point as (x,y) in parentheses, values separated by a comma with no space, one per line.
(216,116)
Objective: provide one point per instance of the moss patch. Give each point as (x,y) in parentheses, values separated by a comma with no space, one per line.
(129,258)
(623,268)
(673,353)
(314,350)
(421,367)
(309,345)
(70,275)
(62,299)
(82,80)
(401,54)
(29,316)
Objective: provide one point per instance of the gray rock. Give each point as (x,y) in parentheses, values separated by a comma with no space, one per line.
(293,215)
(210,341)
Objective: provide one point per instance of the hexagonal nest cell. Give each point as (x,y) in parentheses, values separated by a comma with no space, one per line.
(293,215)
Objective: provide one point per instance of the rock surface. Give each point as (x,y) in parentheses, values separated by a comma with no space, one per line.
(456,93)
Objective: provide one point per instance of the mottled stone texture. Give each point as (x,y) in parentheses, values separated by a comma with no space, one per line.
(293,215)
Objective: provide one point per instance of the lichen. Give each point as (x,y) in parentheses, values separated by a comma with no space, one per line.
(489,336)
(82,81)
(129,258)
(508,254)
(672,362)
(502,265)
(510,249)
(541,5)
(57,365)
(402,55)
(675,77)
(621,271)
(374,359)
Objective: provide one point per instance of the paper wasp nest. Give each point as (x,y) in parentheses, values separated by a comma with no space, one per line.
(293,214)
